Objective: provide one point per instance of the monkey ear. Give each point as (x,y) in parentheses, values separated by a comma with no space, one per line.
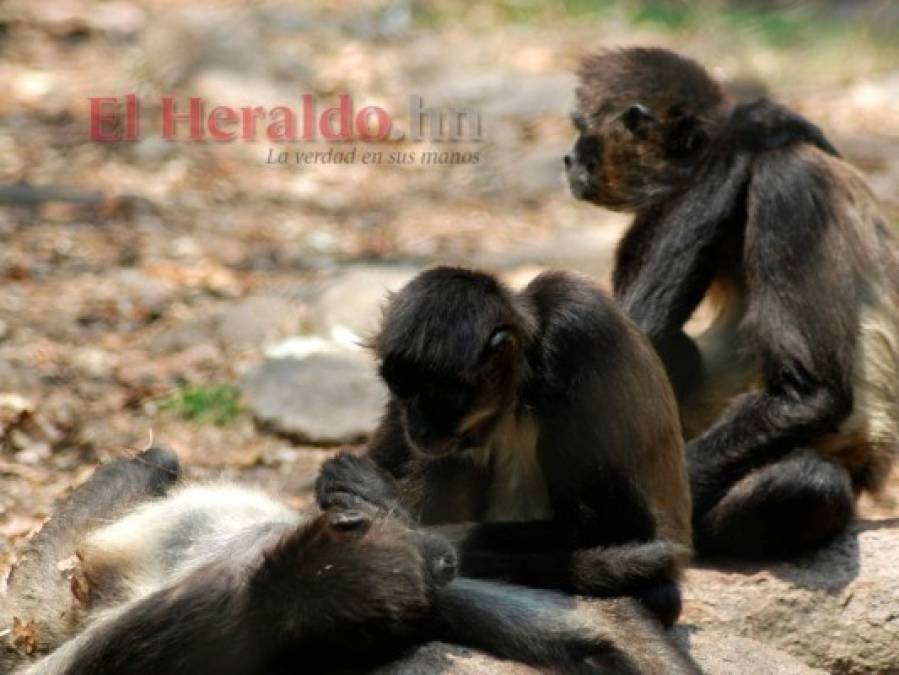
(687,137)
(636,116)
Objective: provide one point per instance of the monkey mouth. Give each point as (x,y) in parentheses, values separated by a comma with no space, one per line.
(438,448)
(582,187)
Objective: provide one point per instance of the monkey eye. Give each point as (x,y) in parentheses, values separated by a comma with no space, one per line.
(636,115)
(499,337)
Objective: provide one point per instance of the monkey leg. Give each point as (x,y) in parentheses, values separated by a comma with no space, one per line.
(573,635)
(644,570)
(778,511)
(683,362)
(39,594)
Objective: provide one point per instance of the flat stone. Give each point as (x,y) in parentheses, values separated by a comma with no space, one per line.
(353,299)
(257,321)
(322,399)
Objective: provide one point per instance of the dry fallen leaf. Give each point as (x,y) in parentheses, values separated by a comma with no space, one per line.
(19,526)
(24,635)
(67,565)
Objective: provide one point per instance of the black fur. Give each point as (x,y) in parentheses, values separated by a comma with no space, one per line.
(566,358)
(807,358)
(758,209)
(343,592)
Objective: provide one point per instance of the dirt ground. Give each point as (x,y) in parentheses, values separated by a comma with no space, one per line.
(127,318)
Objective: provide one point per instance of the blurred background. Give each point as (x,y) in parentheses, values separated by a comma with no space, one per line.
(192,294)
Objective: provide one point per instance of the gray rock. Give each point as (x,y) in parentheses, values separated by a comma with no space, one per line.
(256,321)
(326,399)
(719,653)
(251,323)
(185,334)
(837,609)
(353,299)
(445,659)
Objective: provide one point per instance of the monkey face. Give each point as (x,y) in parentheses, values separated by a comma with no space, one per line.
(375,566)
(632,158)
(443,413)
(643,117)
(432,406)
(378,535)
(451,352)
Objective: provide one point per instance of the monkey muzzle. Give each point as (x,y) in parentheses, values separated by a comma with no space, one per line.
(580,178)
(580,167)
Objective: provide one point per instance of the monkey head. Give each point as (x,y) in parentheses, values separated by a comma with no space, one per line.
(375,567)
(644,118)
(451,351)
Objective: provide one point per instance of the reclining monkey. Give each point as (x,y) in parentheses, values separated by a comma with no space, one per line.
(224,579)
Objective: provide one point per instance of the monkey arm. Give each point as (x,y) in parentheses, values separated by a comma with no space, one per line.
(802,317)
(759,428)
(541,555)
(666,263)
(671,262)
(662,268)
(180,629)
(547,628)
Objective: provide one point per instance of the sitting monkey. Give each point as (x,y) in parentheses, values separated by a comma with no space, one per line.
(790,400)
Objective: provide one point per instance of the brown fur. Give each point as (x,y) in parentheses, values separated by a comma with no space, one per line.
(790,398)
(633,174)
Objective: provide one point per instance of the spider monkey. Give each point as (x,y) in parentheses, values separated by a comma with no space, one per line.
(537,429)
(223,579)
(790,400)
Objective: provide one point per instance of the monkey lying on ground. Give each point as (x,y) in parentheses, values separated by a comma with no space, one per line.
(791,398)
(541,424)
(221,579)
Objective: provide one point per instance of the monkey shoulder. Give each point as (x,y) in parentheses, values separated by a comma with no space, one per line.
(763,125)
(580,329)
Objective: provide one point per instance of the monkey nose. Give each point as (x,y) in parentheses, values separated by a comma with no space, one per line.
(445,568)
(567,161)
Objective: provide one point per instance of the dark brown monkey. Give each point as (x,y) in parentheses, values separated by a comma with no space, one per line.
(214,578)
(541,424)
(223,579)
(790,400)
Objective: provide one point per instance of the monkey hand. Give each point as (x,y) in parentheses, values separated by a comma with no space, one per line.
(348,481)
(616,570)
